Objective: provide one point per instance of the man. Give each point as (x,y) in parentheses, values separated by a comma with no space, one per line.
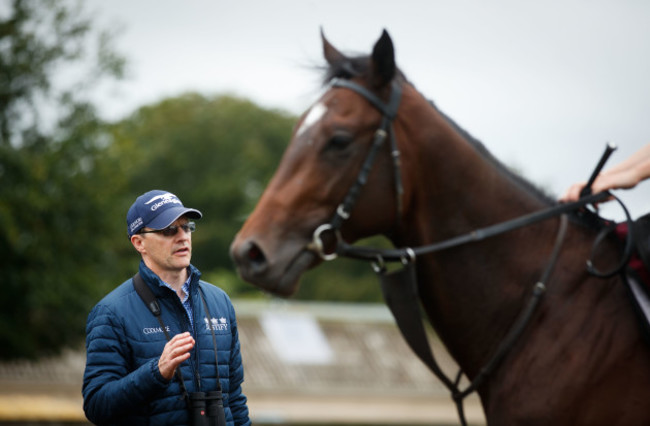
(134,375)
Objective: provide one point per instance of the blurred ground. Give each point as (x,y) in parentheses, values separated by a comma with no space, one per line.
(338,364)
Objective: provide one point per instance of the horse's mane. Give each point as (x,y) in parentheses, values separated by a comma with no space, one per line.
(359,66)
(487,155)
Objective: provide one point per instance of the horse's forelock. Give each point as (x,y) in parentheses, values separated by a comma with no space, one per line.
(347,68)
(351,67)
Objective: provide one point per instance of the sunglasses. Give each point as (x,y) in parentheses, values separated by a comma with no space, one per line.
(172,230)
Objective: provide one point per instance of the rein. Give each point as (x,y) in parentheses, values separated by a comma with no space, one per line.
(403,303)
(400,287)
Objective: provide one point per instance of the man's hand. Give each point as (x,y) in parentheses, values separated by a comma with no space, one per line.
(176,351)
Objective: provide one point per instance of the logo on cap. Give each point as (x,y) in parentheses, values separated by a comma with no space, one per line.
(164,199)
(136,223)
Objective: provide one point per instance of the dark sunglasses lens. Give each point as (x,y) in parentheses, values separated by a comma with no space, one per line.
(170,231)
(173,229)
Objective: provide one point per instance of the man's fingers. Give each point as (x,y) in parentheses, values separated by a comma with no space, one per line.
(181,350)
(179,346)
(182,340)
(181,336)
(175,352)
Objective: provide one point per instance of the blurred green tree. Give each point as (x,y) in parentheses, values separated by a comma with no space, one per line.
(218,154)
(56,190)
(215,153)
(67,179)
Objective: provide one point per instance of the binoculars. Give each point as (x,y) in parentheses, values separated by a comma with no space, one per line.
(206,409)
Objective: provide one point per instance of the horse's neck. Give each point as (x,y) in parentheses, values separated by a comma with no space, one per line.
(471,293)
(457,188)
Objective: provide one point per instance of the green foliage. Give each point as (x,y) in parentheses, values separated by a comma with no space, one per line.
(67,180)
(214,153)
(218,154)
(55,204)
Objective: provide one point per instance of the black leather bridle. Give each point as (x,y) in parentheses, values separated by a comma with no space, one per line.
(407,254)
(385,130)
(400,288)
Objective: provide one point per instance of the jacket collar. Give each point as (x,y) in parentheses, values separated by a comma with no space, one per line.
(156,284)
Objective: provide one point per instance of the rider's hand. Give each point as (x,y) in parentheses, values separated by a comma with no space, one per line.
(573,192)
(620,179)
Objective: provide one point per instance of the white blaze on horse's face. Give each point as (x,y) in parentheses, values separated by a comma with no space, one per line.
(315,114)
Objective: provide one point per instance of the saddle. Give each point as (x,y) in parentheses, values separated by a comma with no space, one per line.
(640,233)
(637,273)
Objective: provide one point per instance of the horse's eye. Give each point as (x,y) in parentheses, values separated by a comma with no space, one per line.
(339,142)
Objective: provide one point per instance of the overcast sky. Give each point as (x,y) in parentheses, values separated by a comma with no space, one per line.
(544,85)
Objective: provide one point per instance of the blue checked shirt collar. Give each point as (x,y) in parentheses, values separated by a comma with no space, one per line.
(185,300)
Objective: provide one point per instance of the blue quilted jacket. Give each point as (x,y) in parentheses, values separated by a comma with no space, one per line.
(122,383)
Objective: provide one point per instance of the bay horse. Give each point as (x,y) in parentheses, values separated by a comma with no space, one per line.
(580,359)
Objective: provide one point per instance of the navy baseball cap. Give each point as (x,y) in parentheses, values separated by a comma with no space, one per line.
(156,210)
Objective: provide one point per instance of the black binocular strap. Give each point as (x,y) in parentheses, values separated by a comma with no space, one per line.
(150,300)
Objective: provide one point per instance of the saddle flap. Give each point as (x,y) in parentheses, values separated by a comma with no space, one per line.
(641,231)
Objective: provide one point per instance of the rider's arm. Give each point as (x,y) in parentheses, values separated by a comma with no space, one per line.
(624,175)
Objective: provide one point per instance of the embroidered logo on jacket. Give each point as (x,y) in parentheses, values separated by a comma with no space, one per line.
(220,324)
(153,330)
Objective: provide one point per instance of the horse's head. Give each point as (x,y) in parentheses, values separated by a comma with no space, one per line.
(329,146)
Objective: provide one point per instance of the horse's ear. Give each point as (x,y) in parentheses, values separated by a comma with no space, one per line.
(383,61)
(331,53)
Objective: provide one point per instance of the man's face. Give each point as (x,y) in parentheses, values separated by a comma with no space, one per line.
(165,254)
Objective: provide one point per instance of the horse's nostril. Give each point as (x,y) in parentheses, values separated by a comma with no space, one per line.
(255,255)
(249,258)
